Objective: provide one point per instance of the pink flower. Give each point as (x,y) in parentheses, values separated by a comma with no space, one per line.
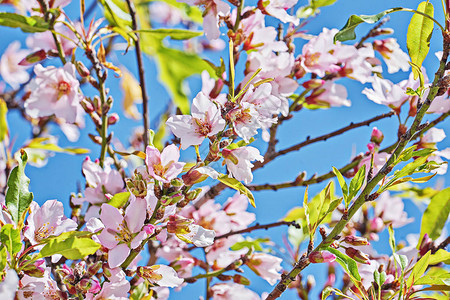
(239,162)
(329,94)
(386,93)
(321,256)
(102,181)
(9,285)
(379,159)
(213,10)
(122,233)
(10,70)
(116,287)
(392,54)
(206,120)
(45,40)
(232,291)
(277,9)
(439,105)
(39,288)
(46,221)
(163,166)
(188,232)
(391,210)
(236,209)
(54,91)
(376,136)
(265,265)
(160,275)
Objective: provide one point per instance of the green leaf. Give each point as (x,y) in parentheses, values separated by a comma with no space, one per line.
(357,182)
(350,266)
(3,120)
(72,245)
(435,276)
(436,215)
(139,292)
(45,143)
(10,237)
(419,268)
(343,185)
(173,33)
(440,256)
(18,198)
(250,243)
(119,199)
(419,34)
(348,31)
(3,258)
(392,243)
(402,260)
(174,67)
(27,24)
(238,186)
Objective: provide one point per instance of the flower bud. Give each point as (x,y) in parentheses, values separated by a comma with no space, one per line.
(177,182)
(356,240)
(237,278)
(33,58)
(93,268)
(192,195)
(377,136)
(358,255)
(113,118)
(82,70)
(313,83)
(321,256)
(228,154)
(376,224)
(178,225)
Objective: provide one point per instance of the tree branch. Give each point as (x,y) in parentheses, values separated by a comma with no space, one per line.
(141,71)
(386,169)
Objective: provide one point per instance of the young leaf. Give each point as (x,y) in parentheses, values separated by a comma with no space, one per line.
(350,266)
(357,182)
(419,268)
(436,215)
(10,238)
(71,245)
(440,256)
(3,120)
(18,198)
(392,243)
(419,34)
(343,185)
(348,31)
(238,186)
(27,24)
(132,94)
(45,143)
(119,199)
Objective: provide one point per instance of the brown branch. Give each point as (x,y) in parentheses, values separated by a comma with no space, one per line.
(252,228)
(324,137)
(141,71)
(371,184)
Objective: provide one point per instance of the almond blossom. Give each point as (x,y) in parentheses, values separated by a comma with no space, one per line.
(205,121)
(386,93)
(47,220)
(277,9)
(188,232)
(10,70)
(391,210)
(392,54)
(102,183)
(54,91)
(163,166)
(160,275)
(239,162)
(329,94)
(265,265)
(214,9)
(231,291)
(122,233)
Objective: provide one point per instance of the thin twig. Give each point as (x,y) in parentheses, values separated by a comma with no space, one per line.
(141,71)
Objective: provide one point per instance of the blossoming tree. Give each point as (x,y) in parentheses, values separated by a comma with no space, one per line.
(169,207)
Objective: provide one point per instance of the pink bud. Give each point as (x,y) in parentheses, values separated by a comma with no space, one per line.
(356,240)
(33,58)
(228,154)
(358,255)
(321,256)
(376,224)
(377,136)
(370,146)
(149,229)
(313,83)
(113,118)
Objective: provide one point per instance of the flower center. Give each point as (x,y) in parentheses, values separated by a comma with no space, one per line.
(43,232)
(123,233)
(159,170)
(63,88)
(203,128)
